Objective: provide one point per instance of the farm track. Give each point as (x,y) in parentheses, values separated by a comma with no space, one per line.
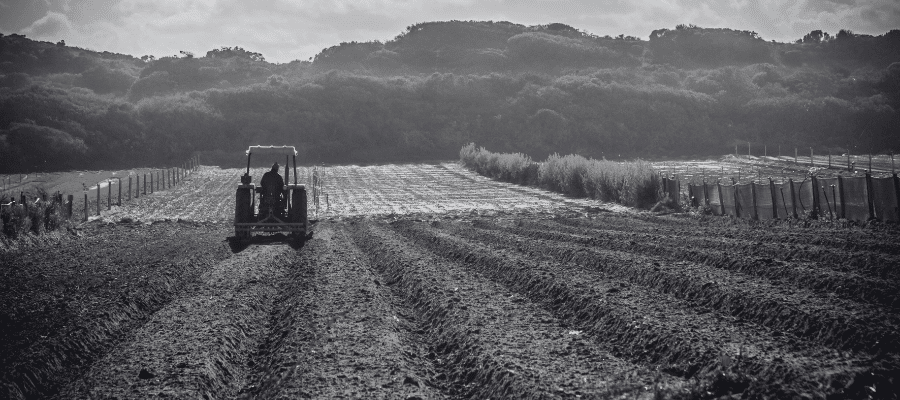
(428,281)
(338,331)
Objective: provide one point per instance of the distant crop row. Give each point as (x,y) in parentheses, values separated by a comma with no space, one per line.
(630,183)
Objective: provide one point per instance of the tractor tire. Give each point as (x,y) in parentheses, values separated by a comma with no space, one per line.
(243,212)
(298,207)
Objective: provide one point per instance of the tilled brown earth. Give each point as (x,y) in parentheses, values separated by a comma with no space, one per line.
(604,306)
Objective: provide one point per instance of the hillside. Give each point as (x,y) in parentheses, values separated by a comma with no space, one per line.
(438,85)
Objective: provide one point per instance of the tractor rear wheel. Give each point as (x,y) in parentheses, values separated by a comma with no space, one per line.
(298,209)
(243,212)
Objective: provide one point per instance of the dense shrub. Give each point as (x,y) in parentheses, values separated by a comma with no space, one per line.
(37,217)
(509,167)
(631,183)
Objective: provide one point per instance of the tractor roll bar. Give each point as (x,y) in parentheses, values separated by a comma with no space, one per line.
(277,150)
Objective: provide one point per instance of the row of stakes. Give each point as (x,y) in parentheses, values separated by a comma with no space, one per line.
(164,179)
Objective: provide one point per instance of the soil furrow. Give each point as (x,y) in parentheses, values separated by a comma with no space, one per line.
(808,234)
(114,303)
(865,262)
(467,371)
(787,272)
(556,362)
(841,325)
(644,327)
(337,332)
(198,344)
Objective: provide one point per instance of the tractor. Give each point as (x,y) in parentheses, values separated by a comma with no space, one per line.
(280,209)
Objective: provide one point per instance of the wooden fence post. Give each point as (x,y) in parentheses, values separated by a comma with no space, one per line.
(774,199)
(870,196)
(815,191)
(129,187)
(71,199)
(98,198)
(842,196)
(755,215)
(677,187)
(86,206)
(691,198)
(705,195)
(793,198)
(145,184)
(897,192)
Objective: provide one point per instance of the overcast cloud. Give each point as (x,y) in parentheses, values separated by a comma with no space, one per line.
(286,30)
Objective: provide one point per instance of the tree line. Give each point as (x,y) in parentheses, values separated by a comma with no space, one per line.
(537,90)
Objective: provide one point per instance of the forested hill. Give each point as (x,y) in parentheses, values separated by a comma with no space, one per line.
(439,85)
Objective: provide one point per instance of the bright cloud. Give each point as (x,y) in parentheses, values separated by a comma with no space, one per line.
(284,30)
(53,24)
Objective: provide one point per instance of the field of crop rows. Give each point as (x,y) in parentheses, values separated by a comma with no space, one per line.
(428,281)
(352,191)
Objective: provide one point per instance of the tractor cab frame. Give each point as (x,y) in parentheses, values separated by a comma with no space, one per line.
(281,209)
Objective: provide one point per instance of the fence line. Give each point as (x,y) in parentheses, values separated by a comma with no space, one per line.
(65,203)
(852,198)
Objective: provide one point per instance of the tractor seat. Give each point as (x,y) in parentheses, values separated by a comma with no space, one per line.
(271,198)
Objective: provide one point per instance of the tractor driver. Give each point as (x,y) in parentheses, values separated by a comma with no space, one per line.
(272,183)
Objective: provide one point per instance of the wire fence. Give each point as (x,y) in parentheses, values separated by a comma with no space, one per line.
(853,198)
(36,203)
(318,195)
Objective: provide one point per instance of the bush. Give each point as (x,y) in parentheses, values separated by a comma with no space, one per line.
(631,183)
(509,167)
(38,218)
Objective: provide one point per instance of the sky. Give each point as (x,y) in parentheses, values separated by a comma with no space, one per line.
(287,30)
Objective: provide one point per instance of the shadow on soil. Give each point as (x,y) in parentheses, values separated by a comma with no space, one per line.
(238,246)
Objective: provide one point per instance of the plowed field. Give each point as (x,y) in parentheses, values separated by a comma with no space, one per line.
(428,281)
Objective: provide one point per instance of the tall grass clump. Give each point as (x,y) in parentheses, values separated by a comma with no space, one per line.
(631,183)
(507,167)
(36,218)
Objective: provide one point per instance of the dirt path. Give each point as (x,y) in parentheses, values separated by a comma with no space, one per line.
(338,331)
